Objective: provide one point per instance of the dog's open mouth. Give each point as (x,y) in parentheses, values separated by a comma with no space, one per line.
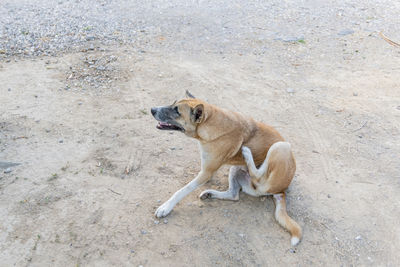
(168,126)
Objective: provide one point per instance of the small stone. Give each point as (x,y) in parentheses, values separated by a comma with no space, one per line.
(398,107)
(91,47)
(61,141)
(158,201)
(242,235)
(9,89)
(345,32)
(8,170)
(292,250)
(290,90)
(143,232)
(132,251)
(329,196)
(156,222)
(165,221)
(355,94)
(358,237)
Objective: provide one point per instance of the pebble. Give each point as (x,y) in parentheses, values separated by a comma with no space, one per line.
(165,221)
(290,90)
(289,38)
(242,235)
(156,222)
(8,170)
(358,237)
(345,32)
(398,107)
(329,196)
(143,232)
(355,94)
(61,141)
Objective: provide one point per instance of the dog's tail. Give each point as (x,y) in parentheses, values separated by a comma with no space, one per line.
(284,220)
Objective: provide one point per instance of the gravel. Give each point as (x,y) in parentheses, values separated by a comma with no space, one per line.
(47,27)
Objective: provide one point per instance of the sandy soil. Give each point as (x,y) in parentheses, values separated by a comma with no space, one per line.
(93,167)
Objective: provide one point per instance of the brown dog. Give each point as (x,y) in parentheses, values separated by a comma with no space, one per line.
(227,137)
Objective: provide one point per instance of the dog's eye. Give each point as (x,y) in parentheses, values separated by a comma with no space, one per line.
(176,110)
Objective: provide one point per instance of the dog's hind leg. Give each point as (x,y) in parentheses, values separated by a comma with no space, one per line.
(254,172)
(234,187)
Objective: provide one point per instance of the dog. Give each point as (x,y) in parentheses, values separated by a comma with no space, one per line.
(227,137)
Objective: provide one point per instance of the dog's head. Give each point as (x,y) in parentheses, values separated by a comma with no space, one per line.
(183,115)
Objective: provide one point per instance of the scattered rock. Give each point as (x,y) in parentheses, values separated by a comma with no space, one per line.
(358,237)
(156,222)
(165,221)
(329,196)
(292,250)
(61,141)
(345,32)
(242,235)
(8,170)
(290,39)
(290,90)
(143,232)
(398,107)
(355,94)
(5,164)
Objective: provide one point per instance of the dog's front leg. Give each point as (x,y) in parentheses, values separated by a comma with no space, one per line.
(167,207)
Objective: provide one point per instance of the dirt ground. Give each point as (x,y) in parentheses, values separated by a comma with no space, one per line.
(93,168)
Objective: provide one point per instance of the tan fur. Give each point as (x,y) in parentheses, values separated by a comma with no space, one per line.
(284,220)
(223,132)
(222,135)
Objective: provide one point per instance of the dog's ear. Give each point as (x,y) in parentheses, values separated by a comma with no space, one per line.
(188,94)
(197,113)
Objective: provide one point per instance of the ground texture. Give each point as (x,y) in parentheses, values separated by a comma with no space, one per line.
(77,80)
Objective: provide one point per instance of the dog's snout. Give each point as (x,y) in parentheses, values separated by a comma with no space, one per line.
(153,111)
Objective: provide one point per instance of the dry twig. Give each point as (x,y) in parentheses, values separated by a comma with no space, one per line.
(388,40)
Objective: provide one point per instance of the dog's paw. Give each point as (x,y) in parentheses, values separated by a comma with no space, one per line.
(205,194)
(246,152)
(163,210)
